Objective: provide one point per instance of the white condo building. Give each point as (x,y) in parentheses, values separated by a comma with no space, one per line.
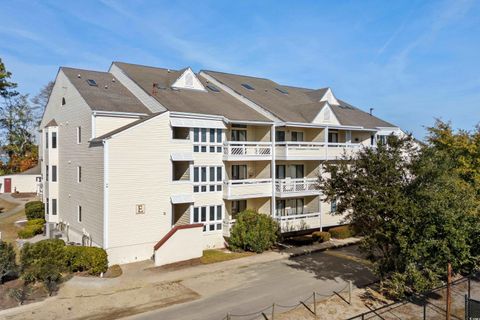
(156,163)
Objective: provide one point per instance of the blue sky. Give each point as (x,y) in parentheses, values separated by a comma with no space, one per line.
(411,61)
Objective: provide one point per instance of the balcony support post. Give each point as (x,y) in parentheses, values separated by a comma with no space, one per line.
(326,142)
(272,169)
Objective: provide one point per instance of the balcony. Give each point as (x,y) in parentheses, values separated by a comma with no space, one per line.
(297,222)
(296,187)
(300,150)
(247,188)
(247,150)
(335,150)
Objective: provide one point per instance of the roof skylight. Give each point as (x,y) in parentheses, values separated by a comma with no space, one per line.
(92,82)
(212,88)
(282,90)
(247,86)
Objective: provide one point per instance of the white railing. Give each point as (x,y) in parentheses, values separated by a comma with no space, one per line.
(247,149)
(296,222)
(301,145)
(227,225)
(344,145)
(247,187)
(301,185)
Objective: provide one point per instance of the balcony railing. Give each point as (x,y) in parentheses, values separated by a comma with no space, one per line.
(247,150)
(313,150)
(290,186)
(296,222)
(247,188)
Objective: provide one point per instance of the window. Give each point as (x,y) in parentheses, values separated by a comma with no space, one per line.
(207,179)
(79,213)
(47,207)
(333,206)
(296,171)
(54,173)
(280,171)
(247,86)
(46,173)
(297,136)
(279,136)
(333,137)
(207,140)
(290,207)
(79,174)
(79,135)
(282,90)
(46,139)
(63,101)
(54,140)
(210,216)
(238,135)
(54,207)
(238,206)
(239,172)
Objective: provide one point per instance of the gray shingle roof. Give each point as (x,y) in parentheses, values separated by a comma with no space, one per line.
(116,97)
(299,105)
(184,100)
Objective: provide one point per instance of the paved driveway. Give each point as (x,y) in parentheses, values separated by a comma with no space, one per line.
(248,289)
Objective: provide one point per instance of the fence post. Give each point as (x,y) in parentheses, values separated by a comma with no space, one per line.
(349,291)
(314,304)
(467,302)
(273,311)
(468,286)
(425,309)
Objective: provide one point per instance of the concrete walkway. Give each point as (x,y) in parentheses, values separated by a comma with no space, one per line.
(20,202)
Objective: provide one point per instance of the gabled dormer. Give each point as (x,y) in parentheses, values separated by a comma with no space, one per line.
(330,97)
(188,80)
(326,115)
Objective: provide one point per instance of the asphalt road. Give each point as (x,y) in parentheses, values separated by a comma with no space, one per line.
(249,289)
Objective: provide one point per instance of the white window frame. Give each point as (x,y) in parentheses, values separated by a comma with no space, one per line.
(209,226)
(207,145)
(217,181)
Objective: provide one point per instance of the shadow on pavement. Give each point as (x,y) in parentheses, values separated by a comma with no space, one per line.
(345,263)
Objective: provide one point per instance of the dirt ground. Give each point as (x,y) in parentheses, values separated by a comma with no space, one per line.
(364,300)
(71,304)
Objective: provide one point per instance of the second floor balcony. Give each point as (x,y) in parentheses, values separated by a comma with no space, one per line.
(302,150)
(289,187)
(247,150)
(247,188)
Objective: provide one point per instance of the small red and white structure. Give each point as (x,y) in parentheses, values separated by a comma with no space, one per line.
(28,181)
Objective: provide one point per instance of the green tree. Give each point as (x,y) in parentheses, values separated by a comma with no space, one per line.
(414,208)
(6,86)
(8,266)
(41,99)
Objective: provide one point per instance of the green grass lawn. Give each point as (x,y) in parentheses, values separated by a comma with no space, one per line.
(212,256)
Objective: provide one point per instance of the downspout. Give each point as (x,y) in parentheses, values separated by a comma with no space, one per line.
(105,193)
(272,165)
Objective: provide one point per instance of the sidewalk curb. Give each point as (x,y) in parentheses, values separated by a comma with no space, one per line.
(333,246)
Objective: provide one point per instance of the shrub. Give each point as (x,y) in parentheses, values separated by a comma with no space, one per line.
(33,222)
(30,230)
(20,294)
(253,231)
(341,232)
(8,266)
(35,210)
(321,236)
(91,259)
(43,261)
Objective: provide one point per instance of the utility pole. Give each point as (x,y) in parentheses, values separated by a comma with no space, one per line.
(449,293)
